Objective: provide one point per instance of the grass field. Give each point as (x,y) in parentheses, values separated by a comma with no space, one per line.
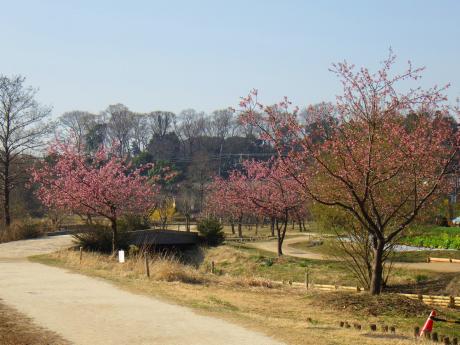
(406,256)
(240,292)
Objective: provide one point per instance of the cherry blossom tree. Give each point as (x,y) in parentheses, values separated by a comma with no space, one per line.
(101,184)
(223,201)
(264,189)
(272,192)
(381,153)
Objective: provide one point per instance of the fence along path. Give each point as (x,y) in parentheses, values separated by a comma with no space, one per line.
(441,301)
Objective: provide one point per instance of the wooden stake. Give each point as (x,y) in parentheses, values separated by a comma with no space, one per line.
(212,267)
(147,268)
(306,278)
(81,254)
(451,302)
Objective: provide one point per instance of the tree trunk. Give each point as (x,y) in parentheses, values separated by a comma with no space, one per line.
(377,268)
(272,226)
(278,237)
(281,233)
(6,191)
(114,236)
(240,232)
(232,223)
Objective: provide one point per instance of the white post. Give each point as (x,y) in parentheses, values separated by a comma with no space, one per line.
(121,256)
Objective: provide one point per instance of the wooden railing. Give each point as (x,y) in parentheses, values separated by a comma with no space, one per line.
(441,301)
(457,261)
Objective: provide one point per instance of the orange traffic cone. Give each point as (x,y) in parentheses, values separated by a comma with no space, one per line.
(428,326)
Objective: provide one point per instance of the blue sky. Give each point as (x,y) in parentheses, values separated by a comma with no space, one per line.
(173,55)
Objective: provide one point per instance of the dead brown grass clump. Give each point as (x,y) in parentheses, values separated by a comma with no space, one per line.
(248,282)
(367,305)
(22,230)
(225,254)
(171,270)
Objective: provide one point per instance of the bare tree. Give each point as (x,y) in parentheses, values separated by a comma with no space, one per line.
(141,132)
(76,124)
(120,126)
(161,122)
(185,202)
(190,127)
(222,123)
(22,128)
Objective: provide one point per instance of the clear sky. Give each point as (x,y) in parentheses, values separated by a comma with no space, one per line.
(173,55)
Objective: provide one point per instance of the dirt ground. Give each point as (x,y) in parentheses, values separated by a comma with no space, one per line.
(17,329)
(86,310)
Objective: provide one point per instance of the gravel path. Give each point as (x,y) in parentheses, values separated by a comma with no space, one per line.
(271,246)
(90,311)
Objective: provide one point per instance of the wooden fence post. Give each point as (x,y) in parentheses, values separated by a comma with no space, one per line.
(306,278)
(81,254)
(212,267)
(147,268)
(451,302)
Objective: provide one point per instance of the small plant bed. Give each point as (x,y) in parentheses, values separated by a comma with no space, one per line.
(389,309)
(364,304)
(433,237)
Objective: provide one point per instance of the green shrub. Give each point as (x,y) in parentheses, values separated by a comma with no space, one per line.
(441,241)
(99,238)
(133,250)
(211,230)
(421,278)
(132,222)
(269,262)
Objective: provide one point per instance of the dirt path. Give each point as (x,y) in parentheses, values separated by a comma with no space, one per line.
(271,246)
(89,311)
(25,248)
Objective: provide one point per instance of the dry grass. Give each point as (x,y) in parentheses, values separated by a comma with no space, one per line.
(16,329)
(286,313)
(21,230)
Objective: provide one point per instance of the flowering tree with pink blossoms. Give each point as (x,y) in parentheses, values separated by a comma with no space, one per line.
(261,188)
(101,184)
(272,192)
(223,202)
(381,153)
